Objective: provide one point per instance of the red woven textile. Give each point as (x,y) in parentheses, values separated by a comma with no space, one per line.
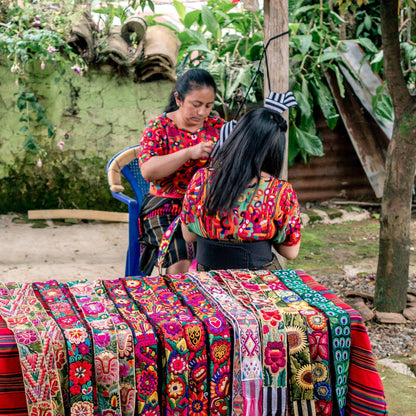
(12,391)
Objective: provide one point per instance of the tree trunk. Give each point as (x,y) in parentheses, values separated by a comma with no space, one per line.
(394,249)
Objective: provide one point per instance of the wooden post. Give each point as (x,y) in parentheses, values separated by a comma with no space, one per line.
(276,21)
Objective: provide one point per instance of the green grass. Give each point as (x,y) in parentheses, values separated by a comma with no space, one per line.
(327,247)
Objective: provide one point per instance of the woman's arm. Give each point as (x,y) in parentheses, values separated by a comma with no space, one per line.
(158,167)
(289,252)
(188,236)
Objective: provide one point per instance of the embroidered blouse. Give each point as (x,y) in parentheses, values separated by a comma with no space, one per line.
(268,210)
(162,136)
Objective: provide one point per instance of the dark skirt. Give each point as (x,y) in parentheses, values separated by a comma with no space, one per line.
(156,215)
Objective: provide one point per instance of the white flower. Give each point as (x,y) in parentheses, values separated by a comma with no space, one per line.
(14,68)
(51,49)
(42,65)
(39,164)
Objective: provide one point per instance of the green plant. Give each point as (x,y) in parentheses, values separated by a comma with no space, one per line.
(32,39)
(227,42)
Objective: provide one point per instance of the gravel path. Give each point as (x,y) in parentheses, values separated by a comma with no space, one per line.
(386,339)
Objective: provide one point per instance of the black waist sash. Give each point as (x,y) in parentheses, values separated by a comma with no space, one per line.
(218,255)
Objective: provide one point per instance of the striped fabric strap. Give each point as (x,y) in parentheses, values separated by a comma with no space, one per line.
(280,102)
(248,371)
(219,337)
(184,342)
(225,131)
(145,349)
(103,331)
(340,327)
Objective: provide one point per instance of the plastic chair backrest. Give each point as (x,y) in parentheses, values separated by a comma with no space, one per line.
(126,162)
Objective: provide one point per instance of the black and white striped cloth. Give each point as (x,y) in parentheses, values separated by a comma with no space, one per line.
(280,102)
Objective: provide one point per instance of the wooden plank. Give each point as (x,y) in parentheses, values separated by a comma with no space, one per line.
(78,214)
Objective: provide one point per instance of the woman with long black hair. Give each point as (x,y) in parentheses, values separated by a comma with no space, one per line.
(238,209)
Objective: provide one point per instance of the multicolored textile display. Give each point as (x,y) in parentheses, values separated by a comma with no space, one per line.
(220,343)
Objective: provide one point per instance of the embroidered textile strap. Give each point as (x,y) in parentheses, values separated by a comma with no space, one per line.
(247,370)
(34,353)
(125,349)
(78,343)
(104,346)
(365,394)
(219,337)
(300,403)
(165,242)
(54,345)
(301,387)
(148,395)
(318,338)
(274,340)
(184,342)
(340,326)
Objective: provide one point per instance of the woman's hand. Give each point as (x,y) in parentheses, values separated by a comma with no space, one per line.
(201,150)
(158,167)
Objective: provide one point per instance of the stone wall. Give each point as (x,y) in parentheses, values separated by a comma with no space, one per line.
(96,115)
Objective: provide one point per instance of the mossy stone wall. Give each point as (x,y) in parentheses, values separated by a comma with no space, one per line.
(96,115)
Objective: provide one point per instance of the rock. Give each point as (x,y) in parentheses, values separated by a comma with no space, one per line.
(410,313)
(390,318)
(359,305)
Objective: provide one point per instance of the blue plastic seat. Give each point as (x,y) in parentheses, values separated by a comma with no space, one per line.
(126,162)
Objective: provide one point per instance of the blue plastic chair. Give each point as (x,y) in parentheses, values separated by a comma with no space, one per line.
(126,162)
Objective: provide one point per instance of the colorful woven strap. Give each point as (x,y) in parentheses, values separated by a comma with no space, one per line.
(125,347)
(318,337)
(340,326)
(247,370)
(78,343)
(41,384)
(104,347)
(275,371)
(184,343)
(365,394)
(149,399)
(219,338)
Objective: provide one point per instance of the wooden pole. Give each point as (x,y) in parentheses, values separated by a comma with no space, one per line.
(276,21)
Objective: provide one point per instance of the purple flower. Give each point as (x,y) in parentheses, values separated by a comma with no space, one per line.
(61,144)
(51,49)
(42,65)
(102,339)
(76,69)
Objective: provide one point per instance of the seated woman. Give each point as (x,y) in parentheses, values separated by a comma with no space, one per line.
(172,148)
(238,209)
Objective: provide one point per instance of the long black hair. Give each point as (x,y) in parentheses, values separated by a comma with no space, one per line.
(190,80)
(257,143)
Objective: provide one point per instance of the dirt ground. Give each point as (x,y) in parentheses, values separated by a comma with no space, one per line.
(94,250)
